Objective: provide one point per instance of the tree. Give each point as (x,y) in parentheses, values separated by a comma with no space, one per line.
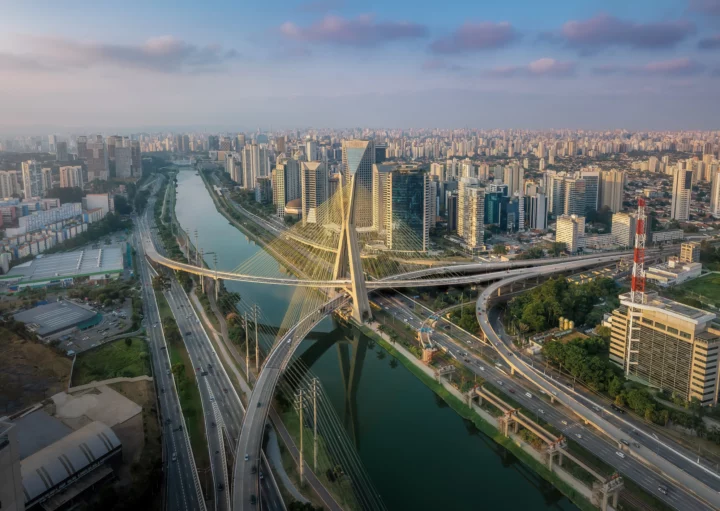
(122,206)
(66,195)
(615,386)
(161,283)
(499,249)
(128,342)
(557,248)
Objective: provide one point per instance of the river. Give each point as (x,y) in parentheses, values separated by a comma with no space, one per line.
(418,452)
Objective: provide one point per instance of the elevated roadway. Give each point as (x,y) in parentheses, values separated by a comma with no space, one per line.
(676,467)
(247,455)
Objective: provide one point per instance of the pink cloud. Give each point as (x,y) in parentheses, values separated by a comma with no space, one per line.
(362,31)
(541,67)
(472,37)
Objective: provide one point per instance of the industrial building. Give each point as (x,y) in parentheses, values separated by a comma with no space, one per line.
(55,317)
(62,269)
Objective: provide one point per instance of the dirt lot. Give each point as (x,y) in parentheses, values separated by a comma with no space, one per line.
(29,372)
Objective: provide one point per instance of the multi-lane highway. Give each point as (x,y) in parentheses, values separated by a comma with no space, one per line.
(464,346)
(245,494)
(182,482)
(217,392)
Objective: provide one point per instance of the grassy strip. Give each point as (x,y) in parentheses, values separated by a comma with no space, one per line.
(126,358)
(468,413)
(184,374)
(341,488)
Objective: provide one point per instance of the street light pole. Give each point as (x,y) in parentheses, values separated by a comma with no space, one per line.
(257,342)
(247,349)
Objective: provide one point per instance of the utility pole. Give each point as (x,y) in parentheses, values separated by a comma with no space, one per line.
(315,440)
(197,263)
(202,277)
(257,342)
(299,404)
(217,284)
(247,349)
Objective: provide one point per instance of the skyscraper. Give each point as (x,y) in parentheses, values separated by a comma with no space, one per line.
(715,194)
(471,212)
(311,152)
(123,159)
(408,211)
(592,189)
(32,179)
(682,190)
(513,177)
(287,184)
(61,152)
(9,184)
(612,186)
(538,212)
(71,177)
(314,183)
(136,158)
(575,197)
(358,157)
(381,173)
(95,156)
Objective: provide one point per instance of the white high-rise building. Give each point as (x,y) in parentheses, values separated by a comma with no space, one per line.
(513,177)
(123,159)
(471,212)
(315,187)
(681,193)
(71,176)
(32,178)
(311,152)
(9,184)
(715,194)
(612,186)
(287,184)
(570,229)
(538,213)
(438,169)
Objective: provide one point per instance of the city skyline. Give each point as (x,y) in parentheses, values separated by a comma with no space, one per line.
(334,64)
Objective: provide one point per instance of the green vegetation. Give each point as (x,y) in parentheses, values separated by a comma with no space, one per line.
(186,383)
(531,253)
(113,293)
(710,256)
(65,195)
(540,308)
(126,358)
(464,317)
(698,292)
(587,360)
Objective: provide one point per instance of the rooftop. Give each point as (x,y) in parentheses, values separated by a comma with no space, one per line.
(68,264)
(666,305)
(53,317)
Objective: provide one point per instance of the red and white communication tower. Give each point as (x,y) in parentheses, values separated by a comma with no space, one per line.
(638,274)
(637,289)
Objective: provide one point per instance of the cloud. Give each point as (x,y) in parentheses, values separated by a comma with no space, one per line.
(166,54)
(541,67)
(710,43)
(674,68)
(711,7)
(363,31)
(472,37)
(322,6)
(442,65)
(9,61)
(604,31)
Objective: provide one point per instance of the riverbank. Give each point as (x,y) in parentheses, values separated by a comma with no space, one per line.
(571,487)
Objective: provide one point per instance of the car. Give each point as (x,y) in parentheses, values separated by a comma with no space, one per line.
(468,342)
(163,347)
(212,424)
(500,383)
(167,372)
(541,411)
(225,390)
(261,476)
(578,435)
(596,408)
(625,442)
(512,391)
(482,368)
(288,341)
(247,457)
(174,456)
(220,486)
(663,489)
(212,399)
(528,395)
(620,454)
(405,320)
(564,423)
(636,445)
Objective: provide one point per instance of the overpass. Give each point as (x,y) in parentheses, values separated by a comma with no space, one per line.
(246,489)
(597,417)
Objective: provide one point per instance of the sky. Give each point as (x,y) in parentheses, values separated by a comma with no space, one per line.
(215,65)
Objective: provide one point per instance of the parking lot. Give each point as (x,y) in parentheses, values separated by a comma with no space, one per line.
(115,320)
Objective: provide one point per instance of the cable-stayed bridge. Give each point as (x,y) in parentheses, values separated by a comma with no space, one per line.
(325,263)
